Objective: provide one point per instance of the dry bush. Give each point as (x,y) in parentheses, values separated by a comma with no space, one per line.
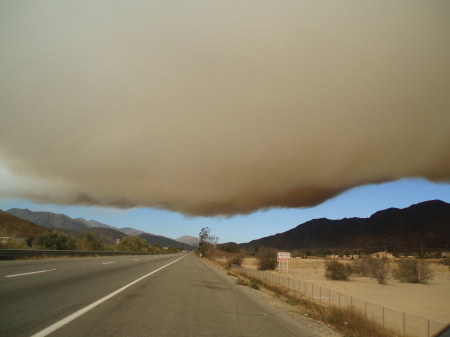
(267,258)
(446,261)
(335,270)
(348,321)
(362,267)
(380,269)
(254,283)
(10,240)
(413,271)
(239,257)
(241,281)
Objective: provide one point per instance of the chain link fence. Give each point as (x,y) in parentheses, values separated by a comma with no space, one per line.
(402,322)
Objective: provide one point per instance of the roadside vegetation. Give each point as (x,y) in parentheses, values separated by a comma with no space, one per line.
(335,270)
(347,321)
(407,270)
(267,258)
(56,240)
(413,271)
(208,242)
(9,239)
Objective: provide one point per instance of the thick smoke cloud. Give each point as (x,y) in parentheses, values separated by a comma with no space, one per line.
(210,108)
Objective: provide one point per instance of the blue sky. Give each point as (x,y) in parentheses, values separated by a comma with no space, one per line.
(357,202)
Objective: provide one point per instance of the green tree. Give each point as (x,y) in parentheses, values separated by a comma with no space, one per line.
(89,241)
(134,244)
(55,240)
(207,242)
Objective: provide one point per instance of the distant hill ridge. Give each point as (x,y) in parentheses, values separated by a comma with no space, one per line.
(50,220)
(189,240)
(13,226)
(107,233)
(426,224)
(164,241)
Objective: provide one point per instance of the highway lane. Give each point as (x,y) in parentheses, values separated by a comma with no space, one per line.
(185,298)
(31,302)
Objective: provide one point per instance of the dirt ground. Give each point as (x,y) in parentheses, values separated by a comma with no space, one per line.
(431,301)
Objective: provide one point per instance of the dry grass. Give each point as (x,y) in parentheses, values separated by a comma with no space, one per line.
(430,301)
(349,322)
(11,239)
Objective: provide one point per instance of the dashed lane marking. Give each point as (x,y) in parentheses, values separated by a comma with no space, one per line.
(33,272)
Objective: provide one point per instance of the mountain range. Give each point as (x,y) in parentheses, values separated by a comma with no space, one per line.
(423,225)
(108,234)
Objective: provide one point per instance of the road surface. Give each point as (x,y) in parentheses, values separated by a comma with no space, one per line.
(158,295)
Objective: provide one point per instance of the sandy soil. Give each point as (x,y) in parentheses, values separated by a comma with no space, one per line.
(431,301)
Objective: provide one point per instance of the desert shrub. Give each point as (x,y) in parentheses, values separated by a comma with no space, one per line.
(380,269)
(335,270)
(267,258)
(254,284)
(227,264)
(413,271)
(446,261)
(238,258)
(362,267)
(55,240)
(241,281)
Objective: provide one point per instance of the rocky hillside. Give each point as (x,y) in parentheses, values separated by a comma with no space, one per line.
(423,225)
(50,220)
(12,226)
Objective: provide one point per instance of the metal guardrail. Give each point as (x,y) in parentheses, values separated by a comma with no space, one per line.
(13,253)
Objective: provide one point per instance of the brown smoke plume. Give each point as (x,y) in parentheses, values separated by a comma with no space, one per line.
(211,108)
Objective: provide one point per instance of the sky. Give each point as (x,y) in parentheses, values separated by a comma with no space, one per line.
(247,117)
(361,202)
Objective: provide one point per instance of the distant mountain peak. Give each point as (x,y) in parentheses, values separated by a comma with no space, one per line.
(189,240)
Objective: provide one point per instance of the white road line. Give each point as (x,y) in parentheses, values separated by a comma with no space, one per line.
(80,312)
(135,259)
(33,272)
(107,262)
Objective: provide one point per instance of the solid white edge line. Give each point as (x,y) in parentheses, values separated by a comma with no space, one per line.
(68,319)
(33,272)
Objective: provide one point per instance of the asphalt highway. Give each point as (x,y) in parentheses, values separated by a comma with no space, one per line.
(158,295)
